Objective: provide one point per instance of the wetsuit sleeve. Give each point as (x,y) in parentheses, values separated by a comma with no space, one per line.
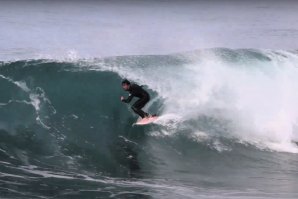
(128,99)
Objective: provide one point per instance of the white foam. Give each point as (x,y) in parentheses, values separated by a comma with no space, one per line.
(36,96)
(257,96)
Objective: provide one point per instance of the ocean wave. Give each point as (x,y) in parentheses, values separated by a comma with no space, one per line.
(68,112)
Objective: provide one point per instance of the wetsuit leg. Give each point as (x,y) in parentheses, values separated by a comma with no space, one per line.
(138,105)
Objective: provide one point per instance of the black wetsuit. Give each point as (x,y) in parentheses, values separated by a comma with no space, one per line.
(137,91)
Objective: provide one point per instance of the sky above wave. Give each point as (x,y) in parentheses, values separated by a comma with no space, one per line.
(108,28)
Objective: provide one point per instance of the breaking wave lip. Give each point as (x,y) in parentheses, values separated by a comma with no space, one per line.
(253,90)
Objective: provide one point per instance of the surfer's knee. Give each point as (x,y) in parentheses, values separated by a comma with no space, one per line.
(134,108)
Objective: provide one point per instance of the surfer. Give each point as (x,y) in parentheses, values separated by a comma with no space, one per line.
(136,91)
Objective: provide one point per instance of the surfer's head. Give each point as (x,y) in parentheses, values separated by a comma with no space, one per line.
(125,84)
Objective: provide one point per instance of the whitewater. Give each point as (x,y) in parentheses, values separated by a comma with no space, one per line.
(227,102)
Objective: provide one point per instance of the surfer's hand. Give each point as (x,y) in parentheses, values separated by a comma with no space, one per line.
(122,98)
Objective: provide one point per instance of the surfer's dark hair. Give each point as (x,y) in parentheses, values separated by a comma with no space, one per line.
(125,81)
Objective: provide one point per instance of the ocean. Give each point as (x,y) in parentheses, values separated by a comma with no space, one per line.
(222,76)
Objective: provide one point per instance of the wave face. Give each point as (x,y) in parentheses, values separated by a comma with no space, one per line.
(227,117)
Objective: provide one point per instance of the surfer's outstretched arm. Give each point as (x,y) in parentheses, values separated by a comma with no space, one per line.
(128,99)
